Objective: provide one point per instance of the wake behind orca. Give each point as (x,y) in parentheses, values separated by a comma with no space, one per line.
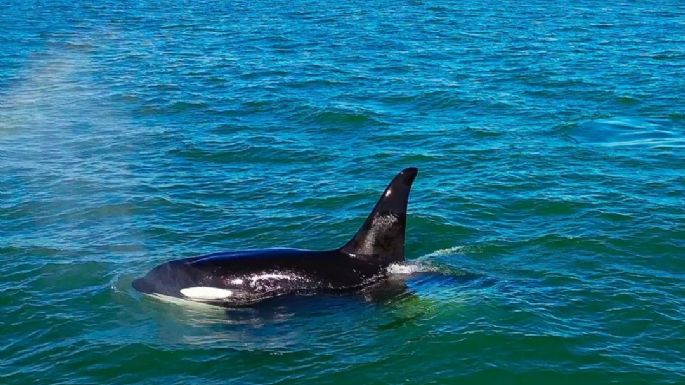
(243,278)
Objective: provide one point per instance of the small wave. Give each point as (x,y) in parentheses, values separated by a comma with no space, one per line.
(444,252)
(337,117)
(173,108)
(627,131)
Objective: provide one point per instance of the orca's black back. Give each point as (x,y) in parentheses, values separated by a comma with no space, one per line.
(330,269)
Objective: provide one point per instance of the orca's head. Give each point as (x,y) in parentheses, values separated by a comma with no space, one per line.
(167,279)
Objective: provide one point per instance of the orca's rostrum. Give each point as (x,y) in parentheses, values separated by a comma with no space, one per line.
(239,278)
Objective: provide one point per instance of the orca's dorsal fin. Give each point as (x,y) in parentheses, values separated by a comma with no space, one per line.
(380,240)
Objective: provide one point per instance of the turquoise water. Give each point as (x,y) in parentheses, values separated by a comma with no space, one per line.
(546,229)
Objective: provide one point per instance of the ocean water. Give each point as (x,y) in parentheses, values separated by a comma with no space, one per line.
(546,233)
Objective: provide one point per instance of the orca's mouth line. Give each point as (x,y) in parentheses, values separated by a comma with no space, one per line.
(143,286)
(185,302)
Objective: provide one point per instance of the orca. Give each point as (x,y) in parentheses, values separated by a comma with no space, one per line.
(244,278)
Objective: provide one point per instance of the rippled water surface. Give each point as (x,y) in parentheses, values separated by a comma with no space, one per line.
(546,237)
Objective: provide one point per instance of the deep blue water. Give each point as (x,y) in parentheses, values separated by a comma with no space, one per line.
(546,228)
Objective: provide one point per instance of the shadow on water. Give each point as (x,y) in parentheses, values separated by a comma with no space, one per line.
(412,295)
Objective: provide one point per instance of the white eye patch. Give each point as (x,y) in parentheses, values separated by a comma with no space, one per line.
(205,292)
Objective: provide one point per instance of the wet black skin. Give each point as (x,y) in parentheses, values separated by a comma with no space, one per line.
(253,275)
(257,274)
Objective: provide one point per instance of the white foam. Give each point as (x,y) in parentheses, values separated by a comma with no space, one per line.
(205,292)
(407,268)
